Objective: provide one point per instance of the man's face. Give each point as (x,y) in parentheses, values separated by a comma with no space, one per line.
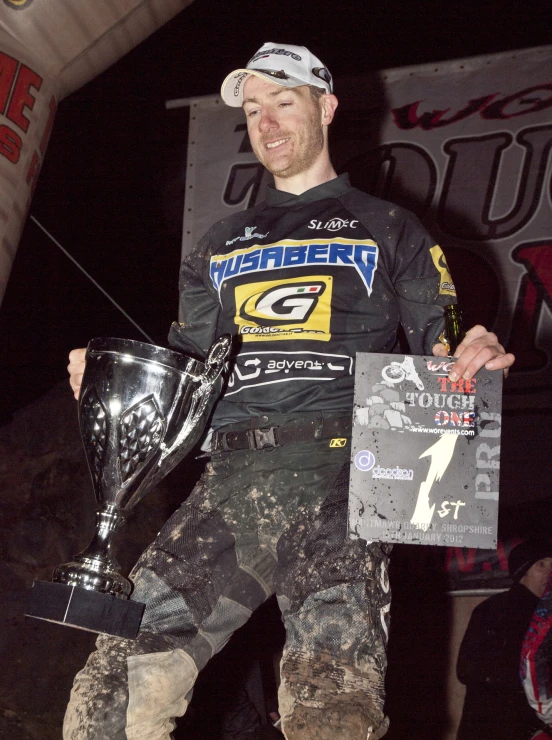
(284,125)
(541,571)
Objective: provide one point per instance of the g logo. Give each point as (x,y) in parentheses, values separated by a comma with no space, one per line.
(288,304)
(296,308)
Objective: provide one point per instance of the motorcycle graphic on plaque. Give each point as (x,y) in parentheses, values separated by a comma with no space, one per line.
(425,456)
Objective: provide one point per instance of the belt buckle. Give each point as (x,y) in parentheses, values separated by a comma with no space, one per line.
(260,438)
(221,445)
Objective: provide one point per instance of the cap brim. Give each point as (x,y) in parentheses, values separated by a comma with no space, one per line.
(231,90)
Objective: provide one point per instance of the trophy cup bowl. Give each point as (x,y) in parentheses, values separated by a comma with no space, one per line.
(142,408)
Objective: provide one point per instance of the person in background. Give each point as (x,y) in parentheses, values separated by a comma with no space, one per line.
(495,707)
(536,658)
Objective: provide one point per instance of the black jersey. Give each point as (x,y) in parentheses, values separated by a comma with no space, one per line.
(303,282)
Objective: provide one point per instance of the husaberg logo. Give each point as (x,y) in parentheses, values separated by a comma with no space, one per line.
(334,224)
(362,256)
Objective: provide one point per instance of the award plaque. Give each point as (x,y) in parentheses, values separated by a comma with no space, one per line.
(425,455)
(142,409)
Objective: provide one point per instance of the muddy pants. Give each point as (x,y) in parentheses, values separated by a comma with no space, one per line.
(258,522)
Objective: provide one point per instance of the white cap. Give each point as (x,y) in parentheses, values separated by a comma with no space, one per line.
(282,64)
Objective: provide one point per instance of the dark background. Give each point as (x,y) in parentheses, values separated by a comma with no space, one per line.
(111,189)
(111,192)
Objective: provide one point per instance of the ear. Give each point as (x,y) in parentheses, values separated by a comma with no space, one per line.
(328,104)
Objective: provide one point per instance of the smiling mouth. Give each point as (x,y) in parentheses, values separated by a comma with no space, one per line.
(274,144)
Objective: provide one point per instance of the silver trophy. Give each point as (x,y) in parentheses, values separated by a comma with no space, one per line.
(142,409)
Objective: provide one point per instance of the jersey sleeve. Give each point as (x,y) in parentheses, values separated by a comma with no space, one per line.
(199,308)
(416,272)
(423,286)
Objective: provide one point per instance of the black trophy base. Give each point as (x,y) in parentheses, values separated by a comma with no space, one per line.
(88,610)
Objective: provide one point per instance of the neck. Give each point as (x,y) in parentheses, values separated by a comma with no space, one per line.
(318,174)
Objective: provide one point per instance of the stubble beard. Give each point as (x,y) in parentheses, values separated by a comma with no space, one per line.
(308,143)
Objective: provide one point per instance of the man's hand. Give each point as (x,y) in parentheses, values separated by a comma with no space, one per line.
(75,368)
(478,348)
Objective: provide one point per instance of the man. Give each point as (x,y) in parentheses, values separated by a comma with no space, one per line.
(495,706)
(536,658)
(269,514)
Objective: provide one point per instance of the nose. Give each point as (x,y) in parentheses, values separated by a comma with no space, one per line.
(267,121)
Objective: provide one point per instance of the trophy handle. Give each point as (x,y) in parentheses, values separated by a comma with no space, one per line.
(216,357)
(214,365)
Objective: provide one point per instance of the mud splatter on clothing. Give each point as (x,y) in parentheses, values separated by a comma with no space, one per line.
(258,522)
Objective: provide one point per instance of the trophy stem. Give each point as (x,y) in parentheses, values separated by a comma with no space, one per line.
(95,568)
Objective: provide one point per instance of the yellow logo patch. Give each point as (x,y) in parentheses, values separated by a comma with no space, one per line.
(446,286)
(297,308)
(338,442)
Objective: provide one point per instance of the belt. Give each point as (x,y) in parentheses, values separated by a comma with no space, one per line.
(277,436)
